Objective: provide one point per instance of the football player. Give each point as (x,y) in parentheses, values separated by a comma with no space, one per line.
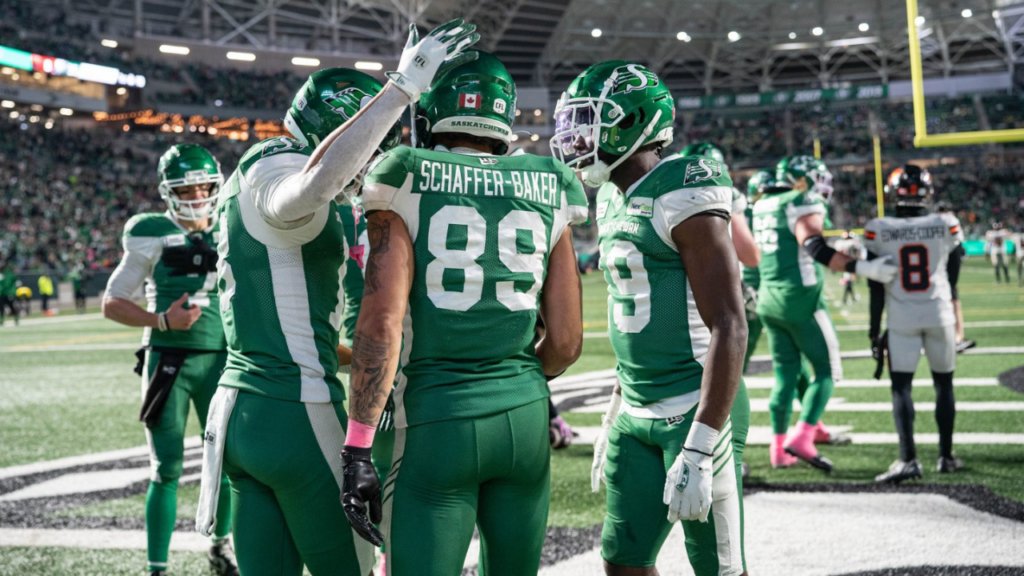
(278,417)
(8,290)
(663,231)
(850,246)
(788,225)
(172,253)
(468,246)
(1018,249)
(921,315)
(995,245)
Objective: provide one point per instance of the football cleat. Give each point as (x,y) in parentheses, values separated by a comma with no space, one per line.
(801,445)
(222,558)
(822,435)
(947,465)
(900,471)
(777,454)
(560,433)
(964,345)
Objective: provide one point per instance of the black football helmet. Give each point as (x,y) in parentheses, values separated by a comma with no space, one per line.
(910,186)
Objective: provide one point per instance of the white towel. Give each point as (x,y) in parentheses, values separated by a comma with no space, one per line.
(213,458)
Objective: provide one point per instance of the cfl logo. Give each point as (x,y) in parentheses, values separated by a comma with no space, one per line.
(419,61)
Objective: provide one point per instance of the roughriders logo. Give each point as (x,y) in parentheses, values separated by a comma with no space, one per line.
(703,169)
(347,102)
(633,77)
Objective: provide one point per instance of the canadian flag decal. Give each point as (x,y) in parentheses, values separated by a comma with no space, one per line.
(469,100)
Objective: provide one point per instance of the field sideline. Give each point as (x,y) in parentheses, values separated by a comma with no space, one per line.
(67,390)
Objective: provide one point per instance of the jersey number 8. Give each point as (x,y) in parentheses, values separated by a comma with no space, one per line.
(914,275)
(465,259)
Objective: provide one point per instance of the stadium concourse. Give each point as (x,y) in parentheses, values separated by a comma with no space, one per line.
(94,94)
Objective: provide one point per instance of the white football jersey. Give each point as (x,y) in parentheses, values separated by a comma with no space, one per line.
(920,297)
(996,240)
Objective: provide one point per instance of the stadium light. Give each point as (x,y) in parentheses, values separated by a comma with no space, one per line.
(919,20)
(211,131)
(683,37)
(734,36)
(7,104)
(13,114)
(33,118)
(300,61)
(967,13)
(66,111)
(596,32)
(817,31)
(122,91)
(109,43)
(36,108)
(792,35)
(173,49)
(864,27)
(537,112)
(48,125)
(6,70)
(369,66)
(515,137)
(243,56)
(534,137)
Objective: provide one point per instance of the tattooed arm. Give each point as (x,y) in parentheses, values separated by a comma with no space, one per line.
(378,336)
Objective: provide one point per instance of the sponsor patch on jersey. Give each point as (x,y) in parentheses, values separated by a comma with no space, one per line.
(703,169)
(471,100)
(639,206)
(674,420)
(488,161)
(602,209)
(174,240)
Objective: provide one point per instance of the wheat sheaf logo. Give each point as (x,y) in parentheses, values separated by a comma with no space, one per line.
(346,102)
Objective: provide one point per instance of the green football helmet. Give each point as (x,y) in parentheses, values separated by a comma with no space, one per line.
(328,99)
(792,169)
(615,107)
(476,97)
(703,149)
(188,165)
(759,182)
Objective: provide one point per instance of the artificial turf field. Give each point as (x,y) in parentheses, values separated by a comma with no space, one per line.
(67,389)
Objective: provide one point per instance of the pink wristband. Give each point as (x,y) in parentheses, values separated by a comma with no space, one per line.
(360,435)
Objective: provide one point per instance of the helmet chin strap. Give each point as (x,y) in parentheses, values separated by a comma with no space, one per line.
(599,172)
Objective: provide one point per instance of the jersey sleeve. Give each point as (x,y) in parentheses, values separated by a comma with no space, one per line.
(807,203)
(269,167)
(739,202)
(141,252)
(871,236)
(386,176)
(691,196)
(575,197)
(956,233)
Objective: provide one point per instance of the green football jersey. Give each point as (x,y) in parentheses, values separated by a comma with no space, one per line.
(660,343)
(792,283)
(8,282)
(488,224)
(751,275)
(147,235)
(280,284)
(354,223)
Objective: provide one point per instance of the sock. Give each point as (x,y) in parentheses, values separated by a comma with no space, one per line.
(945,411)
(780,404)
(161,514)
(223,511)
(815,399)
(903,413)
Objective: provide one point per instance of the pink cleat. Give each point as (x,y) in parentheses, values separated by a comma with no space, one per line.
(822,435)
(777,454)
(801,445)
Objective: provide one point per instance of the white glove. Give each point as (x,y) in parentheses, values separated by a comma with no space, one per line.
(688,483)
(601,442)
(879,269)
(421,60)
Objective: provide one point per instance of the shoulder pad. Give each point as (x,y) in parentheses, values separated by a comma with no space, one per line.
(149,224)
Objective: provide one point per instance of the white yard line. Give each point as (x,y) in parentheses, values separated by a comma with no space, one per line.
(193,443)
(607,377)
(69,348)
(61,319)
(864,327)
(762,436)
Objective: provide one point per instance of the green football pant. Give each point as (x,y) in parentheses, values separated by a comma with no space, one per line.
(814,338)
(491,472)
(196,382)
(640,453)
(754,328)
(381,454)
(283,459)
(740,417)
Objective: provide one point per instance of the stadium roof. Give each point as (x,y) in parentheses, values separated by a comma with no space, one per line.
(697,47)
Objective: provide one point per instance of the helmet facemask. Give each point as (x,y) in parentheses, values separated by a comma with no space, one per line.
(192,210)
(592,119)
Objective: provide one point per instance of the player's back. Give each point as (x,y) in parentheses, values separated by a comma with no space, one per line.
(482,228)
(920,297)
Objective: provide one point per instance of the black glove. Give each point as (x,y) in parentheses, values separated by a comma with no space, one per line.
(199,258)
(361,490)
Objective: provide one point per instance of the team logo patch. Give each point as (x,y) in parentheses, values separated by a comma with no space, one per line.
(471,100)
(640,207)
(703,169)
(281,144)
(174,240)
(633,77)
(500,106)
(300,103)
(602,209)
(684,479)
(346,102)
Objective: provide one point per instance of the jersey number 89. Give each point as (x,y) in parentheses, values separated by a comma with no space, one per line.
(466,258)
